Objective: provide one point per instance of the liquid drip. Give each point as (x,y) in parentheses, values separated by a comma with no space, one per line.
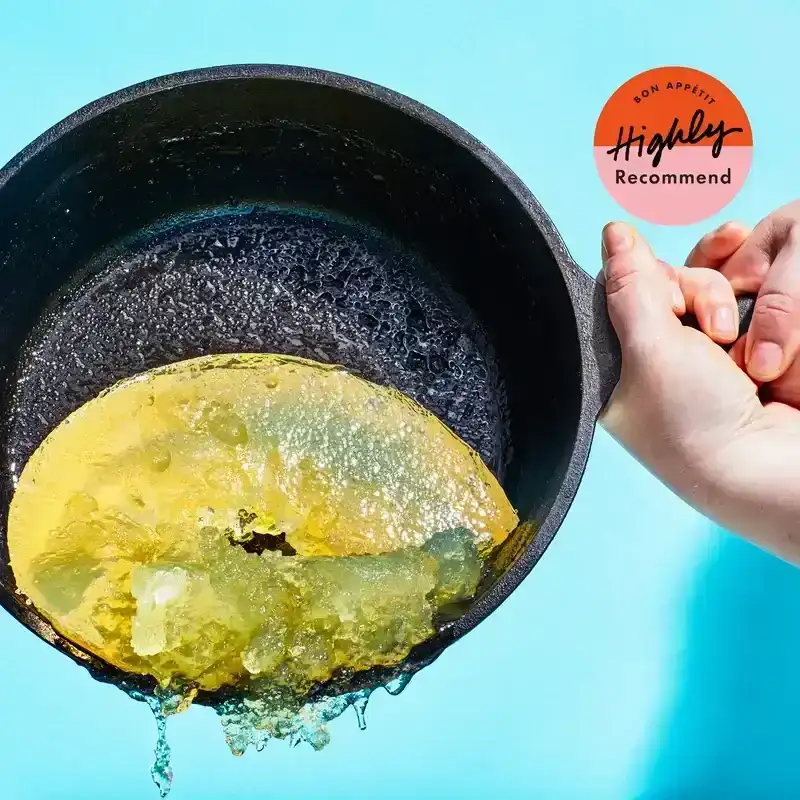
(270,713)
(252,722)
(360,707)
(161,770)
(396,686)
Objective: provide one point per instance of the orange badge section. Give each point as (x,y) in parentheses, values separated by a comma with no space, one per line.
(673,145)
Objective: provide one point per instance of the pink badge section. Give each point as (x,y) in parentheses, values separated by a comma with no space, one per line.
(686,187)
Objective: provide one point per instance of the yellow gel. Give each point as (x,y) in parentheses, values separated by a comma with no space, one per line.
(132,527)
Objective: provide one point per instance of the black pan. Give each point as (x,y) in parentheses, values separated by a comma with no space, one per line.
(280,209)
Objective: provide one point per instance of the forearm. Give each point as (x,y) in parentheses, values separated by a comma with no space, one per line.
(761,511)
(753,490)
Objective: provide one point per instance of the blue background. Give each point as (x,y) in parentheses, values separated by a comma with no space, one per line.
(649,655)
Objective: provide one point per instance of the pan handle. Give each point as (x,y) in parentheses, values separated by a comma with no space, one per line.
(602,355)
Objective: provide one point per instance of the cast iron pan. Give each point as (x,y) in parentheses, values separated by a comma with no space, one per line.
(289,210)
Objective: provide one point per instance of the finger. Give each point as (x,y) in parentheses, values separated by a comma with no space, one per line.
(747,268)
(638,292)
(676,295)
(786,389)
(711,299)
(718,246)
(773,340)
(737,352)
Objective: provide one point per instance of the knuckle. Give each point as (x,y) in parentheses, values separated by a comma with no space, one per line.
(779,231)
(756,266)
(710,287)
(668,270)
(711,278)
(774,316)
(747,271)
(620,274)
(719,288)
(775,304)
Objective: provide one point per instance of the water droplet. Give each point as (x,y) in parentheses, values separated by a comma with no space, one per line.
(360,707)
(396,685)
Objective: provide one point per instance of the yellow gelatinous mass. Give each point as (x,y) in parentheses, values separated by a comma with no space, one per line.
(251,515)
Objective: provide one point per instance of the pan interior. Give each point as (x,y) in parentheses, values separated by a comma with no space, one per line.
(289,281)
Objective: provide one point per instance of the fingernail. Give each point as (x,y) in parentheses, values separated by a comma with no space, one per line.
(765,361)
(617,239)
(728,227)
(722,322)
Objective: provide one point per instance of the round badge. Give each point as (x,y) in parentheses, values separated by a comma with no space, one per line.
(673,145)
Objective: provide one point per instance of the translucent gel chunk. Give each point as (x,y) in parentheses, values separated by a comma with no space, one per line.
(240,519)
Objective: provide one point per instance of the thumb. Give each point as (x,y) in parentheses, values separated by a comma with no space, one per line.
(638,292)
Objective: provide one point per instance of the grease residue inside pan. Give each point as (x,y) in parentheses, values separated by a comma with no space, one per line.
(262,280)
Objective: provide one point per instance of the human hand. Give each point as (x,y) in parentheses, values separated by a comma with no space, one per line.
(767,263)
(686,409)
